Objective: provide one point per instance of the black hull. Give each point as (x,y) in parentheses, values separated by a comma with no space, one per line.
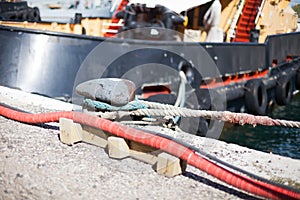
(48,63)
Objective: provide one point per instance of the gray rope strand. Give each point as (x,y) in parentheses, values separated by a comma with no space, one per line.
(238,118)
(155,105)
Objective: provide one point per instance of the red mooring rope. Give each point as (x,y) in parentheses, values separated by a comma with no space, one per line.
(242,182)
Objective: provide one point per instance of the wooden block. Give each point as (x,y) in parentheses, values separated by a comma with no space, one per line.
(93,139)
(94,136)
(168,165)
(143,148)
(70,132)
(143,152)
(117,147)
(144,157)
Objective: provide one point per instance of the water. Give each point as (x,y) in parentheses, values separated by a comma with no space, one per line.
(278,140)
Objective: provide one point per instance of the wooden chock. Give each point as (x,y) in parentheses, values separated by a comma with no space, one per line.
(168,165)
(70,132)
(144,157)
(117,147)
(143,152)
(94,136)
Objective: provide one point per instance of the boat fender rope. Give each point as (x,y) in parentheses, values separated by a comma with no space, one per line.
(181,94)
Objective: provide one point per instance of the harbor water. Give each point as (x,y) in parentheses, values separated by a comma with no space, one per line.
(278,140)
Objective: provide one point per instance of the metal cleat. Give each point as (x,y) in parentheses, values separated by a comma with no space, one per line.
(113,91)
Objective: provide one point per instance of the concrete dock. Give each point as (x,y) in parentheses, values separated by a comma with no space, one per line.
(36,165)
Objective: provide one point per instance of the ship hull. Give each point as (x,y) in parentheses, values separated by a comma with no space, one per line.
(52,64)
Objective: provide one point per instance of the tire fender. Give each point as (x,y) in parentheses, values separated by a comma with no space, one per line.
(284,90)
(297,84)
(256,97)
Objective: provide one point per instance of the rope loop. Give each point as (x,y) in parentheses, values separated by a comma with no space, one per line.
(133,105)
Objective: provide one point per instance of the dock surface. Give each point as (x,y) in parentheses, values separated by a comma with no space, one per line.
(36,165)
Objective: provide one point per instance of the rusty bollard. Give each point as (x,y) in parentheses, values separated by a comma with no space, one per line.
(114,91)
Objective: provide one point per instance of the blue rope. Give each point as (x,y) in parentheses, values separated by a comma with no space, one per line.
(133,105)
(182,102)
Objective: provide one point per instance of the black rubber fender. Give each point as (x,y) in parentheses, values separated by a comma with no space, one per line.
(297,83)
(256,97)
(284,90)
(36,14)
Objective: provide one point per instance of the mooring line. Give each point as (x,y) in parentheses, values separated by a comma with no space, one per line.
(226,116)
(154,109)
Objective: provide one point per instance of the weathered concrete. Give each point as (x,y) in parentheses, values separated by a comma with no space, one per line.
(34,164)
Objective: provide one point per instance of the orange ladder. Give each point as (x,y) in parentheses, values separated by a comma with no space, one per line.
(115,22)
(247,21)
